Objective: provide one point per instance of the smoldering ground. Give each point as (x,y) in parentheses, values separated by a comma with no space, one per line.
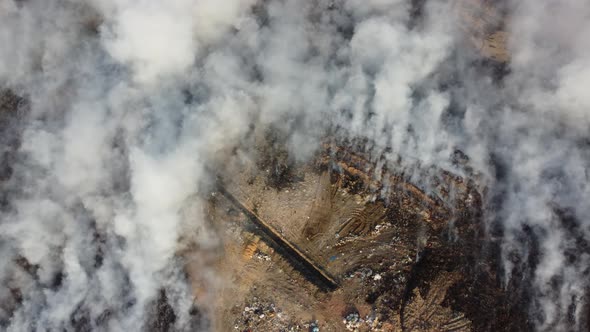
(123,104)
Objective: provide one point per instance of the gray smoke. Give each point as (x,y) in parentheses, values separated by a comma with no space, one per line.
(129,101)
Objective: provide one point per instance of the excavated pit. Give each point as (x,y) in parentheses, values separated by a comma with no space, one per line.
(337,243)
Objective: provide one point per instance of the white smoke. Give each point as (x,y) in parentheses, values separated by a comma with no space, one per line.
(129,101)
(109,155)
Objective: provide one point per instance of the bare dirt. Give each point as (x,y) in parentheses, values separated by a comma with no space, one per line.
(402,258)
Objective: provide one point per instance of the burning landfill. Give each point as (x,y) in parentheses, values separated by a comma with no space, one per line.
(283,165)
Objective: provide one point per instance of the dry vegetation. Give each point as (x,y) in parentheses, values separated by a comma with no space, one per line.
(484,25)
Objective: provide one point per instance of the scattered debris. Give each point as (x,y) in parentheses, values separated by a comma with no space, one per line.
(352,321)
(314,327)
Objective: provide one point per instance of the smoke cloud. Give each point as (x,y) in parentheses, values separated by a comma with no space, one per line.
(128,102)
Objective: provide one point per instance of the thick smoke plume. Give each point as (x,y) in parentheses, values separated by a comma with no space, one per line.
(123,105)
